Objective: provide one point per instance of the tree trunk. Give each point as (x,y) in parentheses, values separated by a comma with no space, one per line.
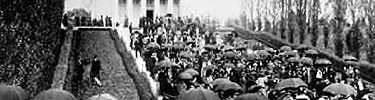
(62,66)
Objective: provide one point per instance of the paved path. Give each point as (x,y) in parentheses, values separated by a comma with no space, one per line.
(114,76)
(125,35)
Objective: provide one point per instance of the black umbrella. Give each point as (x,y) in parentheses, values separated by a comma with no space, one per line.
(230,54)
(8,92)
(55,94)
(251,96)
(285,48)
(302,47)
(198,94)
(311,52)
(349,58)
(153,45)
(290,83)
(323,62)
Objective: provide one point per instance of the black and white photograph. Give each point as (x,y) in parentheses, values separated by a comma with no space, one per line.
(187,49)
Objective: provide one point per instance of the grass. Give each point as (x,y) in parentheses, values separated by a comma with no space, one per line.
(114,75)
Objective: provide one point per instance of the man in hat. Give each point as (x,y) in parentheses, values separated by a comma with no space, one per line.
(95,68)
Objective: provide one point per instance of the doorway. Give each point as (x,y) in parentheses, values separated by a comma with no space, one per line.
(150,14)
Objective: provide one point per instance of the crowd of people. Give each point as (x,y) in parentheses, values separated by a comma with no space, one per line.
(184,55)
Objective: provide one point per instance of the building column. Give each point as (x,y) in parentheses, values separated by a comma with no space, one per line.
(129,10)
(156,8)
(143,8)
(170,6)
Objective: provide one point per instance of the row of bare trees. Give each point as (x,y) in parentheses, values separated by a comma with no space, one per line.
(342,27)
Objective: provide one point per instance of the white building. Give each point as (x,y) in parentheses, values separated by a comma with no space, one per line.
(133,9)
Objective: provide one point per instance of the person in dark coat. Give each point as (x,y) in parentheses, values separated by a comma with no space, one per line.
(95,68)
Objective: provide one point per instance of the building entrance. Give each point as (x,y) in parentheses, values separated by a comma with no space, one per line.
(150,14)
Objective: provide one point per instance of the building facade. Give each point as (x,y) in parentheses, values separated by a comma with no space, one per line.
(118,10)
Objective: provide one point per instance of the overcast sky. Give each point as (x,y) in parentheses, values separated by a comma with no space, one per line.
(221,9)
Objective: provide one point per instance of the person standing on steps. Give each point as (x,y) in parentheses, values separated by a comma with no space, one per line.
(95,68)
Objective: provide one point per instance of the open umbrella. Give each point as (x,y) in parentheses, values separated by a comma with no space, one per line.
(105,96)
(311,52)
(166,63)
(323,62)
(55,94)
(186,55)
(339,88)
(191,71)
(210,67)
(240,48)
(153,45)
(228,86)
(185,75)
(210,47)
(270,50)
(251,96)
(307,61)
(285,48)
(8,92)
(349,58)
(263,53)
(251,56)
(219,81)
(178,47)
(290,83)
(294,60)
(166,46)
(228,48)
(229,65)
(302,47)
(291,53)
(198,94)
(230,54)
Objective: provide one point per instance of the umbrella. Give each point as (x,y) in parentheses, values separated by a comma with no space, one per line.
(166,45)
(166,63)
(55,94)
(349,58)
(219,81)
(339,88)
(251,56)
(198,94)
(186,55)
(228,48)
(228,86)
(323,62)
(192,72)
(185,75)
(302,47)
(210,67)
(285,48)
(229,65)
(294,60)
(178,46)
(263,53)
(240,48)
(105,96)
(8,92)
(270,50)
(311,52)
(290,83)
(291,53)
(153,45)
(251,96)
(255,88)
(306,60)
(210,47)
(230,54)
